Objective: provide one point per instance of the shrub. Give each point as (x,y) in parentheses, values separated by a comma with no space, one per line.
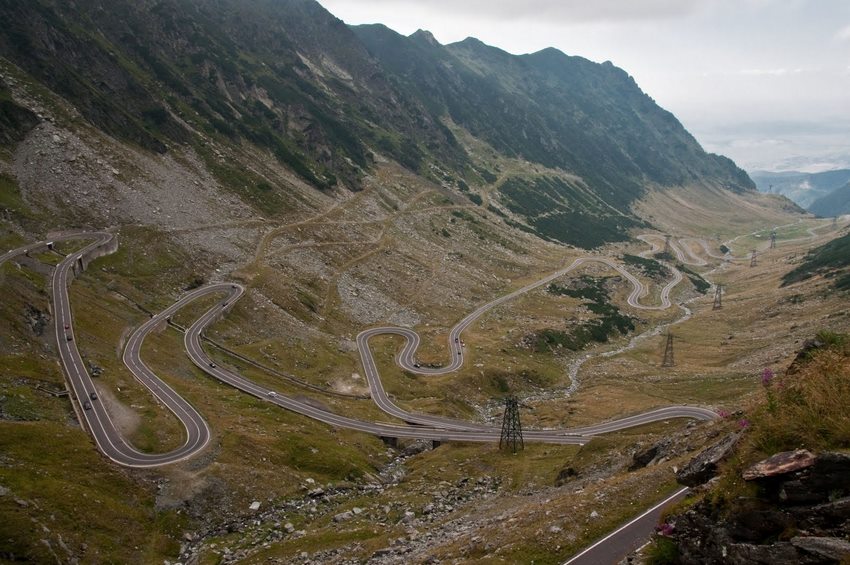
(807,407)
(662,551)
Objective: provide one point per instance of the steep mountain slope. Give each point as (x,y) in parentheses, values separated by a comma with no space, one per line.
(802,188)
(834,203)
(286,76)
(831,261)
(290,80)
(563,112)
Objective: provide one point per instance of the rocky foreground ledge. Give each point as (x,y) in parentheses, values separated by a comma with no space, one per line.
(800,514)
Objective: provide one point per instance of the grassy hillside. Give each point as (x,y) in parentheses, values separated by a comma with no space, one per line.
(831,260)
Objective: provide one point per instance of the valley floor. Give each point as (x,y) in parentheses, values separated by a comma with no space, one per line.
(449,503)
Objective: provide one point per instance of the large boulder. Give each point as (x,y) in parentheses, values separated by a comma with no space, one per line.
(799,477)
(780,464)
(800,494)
(823,547)
(703,467)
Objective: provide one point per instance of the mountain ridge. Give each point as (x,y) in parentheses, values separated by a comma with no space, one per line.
(803,188)
(326,101)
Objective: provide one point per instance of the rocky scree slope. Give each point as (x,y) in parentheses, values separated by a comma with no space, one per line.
(326,101)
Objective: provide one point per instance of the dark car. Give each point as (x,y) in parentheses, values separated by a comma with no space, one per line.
(67,327)
(93,395)
(70,338)
(87,405)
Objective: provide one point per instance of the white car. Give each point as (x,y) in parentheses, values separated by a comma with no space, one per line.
(272,394)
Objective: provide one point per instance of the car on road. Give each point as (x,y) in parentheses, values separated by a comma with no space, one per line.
(70,338)
(86,405)
(416,365)
(93,395)
(67,326)
(272,394)
(212,365)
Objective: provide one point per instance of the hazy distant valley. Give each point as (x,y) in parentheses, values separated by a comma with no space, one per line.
(333,179)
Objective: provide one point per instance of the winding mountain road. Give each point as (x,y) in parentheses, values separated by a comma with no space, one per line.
(407,357)
(94,414)
(110,441)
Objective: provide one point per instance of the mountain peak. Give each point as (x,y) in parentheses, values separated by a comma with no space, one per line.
(421,35)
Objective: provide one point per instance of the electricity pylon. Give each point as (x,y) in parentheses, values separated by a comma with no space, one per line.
(511,427)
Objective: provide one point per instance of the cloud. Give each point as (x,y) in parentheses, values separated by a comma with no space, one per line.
(566,10)
(770,72)
(843,34)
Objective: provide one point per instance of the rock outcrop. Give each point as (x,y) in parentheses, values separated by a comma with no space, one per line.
(801,515)
(703,467)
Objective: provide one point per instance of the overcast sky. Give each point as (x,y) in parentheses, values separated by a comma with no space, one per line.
(766,82)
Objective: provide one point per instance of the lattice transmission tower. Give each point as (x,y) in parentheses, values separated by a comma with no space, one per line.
(718,297)
(668,352)
(773,239)
(511,427)
(754,259)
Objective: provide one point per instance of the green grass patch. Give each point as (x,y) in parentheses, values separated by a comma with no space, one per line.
(609,322)
(700,284)
(70,490)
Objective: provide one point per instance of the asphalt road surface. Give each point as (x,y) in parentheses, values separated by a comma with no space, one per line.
(94,414)
(615,546)
(114,446)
